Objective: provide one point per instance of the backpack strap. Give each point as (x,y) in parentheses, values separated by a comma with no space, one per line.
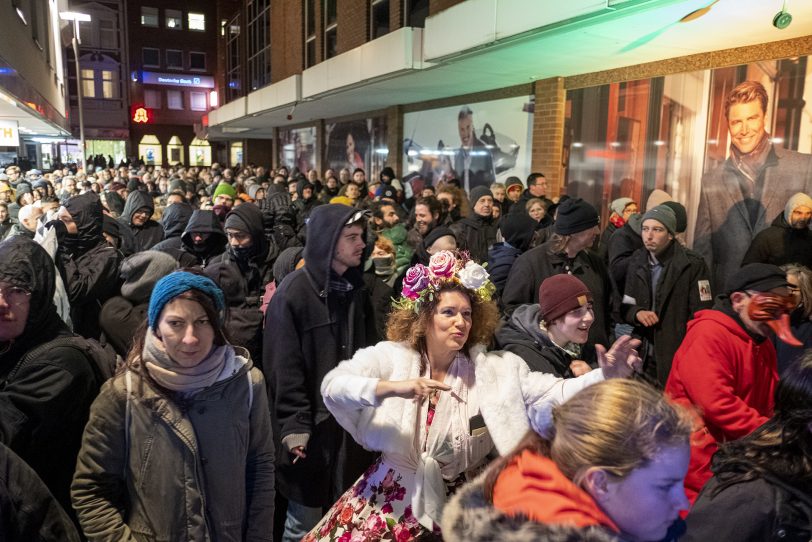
(128,382)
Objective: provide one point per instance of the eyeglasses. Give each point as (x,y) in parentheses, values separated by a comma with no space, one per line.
(14,295)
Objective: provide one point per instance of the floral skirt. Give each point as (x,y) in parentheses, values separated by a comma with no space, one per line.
(377,507)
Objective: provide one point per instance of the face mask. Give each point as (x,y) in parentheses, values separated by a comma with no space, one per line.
(384,266)
(243,253)
(773,310)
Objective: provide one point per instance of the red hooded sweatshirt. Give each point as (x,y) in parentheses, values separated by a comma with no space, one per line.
(728,379)
(533,486)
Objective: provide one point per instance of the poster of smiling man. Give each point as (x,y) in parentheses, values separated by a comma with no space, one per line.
(746,192)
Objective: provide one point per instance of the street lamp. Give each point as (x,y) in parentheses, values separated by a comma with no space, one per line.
(78,18)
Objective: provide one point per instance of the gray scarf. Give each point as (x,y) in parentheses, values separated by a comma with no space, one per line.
(172,376)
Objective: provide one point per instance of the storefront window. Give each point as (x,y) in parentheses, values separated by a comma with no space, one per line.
(297,148)
(357,144)
(150,150)
(200,152)
(175,150)
(235,153)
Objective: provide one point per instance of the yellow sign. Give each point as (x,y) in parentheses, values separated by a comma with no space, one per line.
(141,116)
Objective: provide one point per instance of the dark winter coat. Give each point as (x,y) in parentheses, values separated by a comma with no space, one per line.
(621,246)
(88,265)
(151,232)
(501,257)
(765,509)
(677,298)
(380,296)
(28,511)
(190,255)
(521,335)
(780,244)
(802,329)
(174,221)
(537,264)
(44,402)
(309,329)
(476,234)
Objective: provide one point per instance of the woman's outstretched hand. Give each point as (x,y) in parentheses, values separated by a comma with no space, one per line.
(622,360)
(418,388)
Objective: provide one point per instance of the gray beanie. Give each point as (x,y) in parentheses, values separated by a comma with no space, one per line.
(142,270)
(620,204)
(664,215)
(478,193)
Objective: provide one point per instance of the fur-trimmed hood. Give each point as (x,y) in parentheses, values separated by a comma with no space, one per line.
(469,517)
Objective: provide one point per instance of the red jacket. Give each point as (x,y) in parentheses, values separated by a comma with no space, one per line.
(728,379)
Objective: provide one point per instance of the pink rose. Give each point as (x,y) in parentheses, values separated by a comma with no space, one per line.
(387,508)
(346,537)
(415,281)
(401,533)
(442,264)
(374,525)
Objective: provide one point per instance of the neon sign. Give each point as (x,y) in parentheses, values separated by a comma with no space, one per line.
(141,116)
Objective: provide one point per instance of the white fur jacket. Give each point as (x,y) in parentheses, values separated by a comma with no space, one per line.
(511,397)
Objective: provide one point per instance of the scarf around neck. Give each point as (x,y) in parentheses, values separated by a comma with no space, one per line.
(752,163)
(173,376)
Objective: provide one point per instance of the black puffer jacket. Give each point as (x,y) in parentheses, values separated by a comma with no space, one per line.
(476,234)
(88,265)
(44,402)
(780,244)
(309,329)
(151,232)
(521,335)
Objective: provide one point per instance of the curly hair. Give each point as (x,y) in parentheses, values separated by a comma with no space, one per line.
(404,325)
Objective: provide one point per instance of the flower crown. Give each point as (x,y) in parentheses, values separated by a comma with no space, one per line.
(422,283)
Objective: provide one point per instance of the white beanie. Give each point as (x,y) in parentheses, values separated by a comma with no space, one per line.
(798,200)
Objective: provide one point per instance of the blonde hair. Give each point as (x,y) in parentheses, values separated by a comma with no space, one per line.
(618,425)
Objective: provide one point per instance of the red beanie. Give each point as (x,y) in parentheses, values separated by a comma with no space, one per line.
(560,294)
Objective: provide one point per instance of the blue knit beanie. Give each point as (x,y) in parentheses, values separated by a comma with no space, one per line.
(174,284)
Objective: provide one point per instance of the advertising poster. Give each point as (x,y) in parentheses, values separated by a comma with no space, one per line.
(357,144)
(478,143)
(731,144)
(297,148)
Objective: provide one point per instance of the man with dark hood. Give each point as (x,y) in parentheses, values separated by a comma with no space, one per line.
(305,203)
(201,241)
(87,263)
(174,221)
(319,315)
(137,216)
(725,369)
(44,401)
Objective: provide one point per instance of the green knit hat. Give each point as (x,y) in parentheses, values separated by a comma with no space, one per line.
(225,189)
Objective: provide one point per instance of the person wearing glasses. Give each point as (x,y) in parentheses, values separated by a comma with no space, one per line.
(45,395)
(800,287)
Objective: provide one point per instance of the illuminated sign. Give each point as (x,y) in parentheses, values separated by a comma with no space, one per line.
(178,80)
(141,115)
(9,133)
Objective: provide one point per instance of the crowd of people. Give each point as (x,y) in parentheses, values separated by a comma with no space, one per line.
(236,353)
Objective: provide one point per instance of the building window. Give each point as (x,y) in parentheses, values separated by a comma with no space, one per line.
(259,43)
(109,84)
(149,16)
(151,57)
(379,19)
(108,36)
(310,32)
(198,101)
(234,59)
(174,99)
(152,99)
(415,13)
(174,59)
(330,29)
(197,61)
(88,84)
(174,19)
(197,21)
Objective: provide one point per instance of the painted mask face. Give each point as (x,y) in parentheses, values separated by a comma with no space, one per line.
(774,310)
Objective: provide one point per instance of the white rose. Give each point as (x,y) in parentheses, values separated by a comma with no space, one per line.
(473,276)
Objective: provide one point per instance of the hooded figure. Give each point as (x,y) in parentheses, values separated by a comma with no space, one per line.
(517,231)
(115,203)
(303,206)
(315,319)
(44,402)
(87,263)
(202,240)
(147,232)
(174,221)
(254,258)
(788,239)
(122,315)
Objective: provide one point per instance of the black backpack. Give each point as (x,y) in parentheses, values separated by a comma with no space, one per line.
(103,359)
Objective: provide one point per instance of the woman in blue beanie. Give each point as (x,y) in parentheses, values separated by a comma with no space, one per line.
(178,445)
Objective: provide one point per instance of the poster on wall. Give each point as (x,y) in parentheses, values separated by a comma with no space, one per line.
(297,148)
(357,144)
(478,143)
(733,145)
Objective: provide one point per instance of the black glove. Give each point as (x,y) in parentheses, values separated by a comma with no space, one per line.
(60,228)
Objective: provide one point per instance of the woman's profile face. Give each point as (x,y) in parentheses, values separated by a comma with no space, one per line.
(451,322)
(186,332)
(536,211)
(350,145)
(645,503)
(574,326)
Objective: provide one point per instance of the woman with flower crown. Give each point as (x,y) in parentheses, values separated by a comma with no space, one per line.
(435,404)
